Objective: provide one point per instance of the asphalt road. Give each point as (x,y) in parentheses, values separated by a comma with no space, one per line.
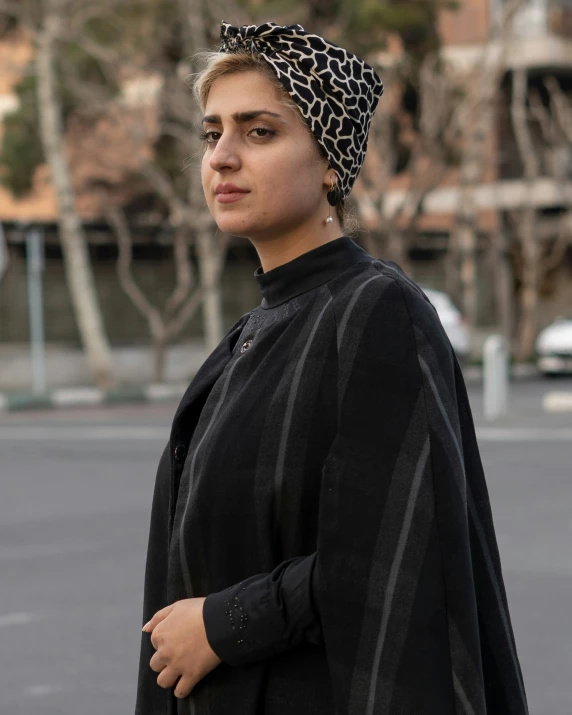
(75,494)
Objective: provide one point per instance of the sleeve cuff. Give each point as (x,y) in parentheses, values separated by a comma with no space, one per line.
(242,630)
(263,615)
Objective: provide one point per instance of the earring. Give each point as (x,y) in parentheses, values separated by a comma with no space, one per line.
(330,218)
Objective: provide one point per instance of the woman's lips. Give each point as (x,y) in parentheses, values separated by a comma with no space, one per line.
(231,197)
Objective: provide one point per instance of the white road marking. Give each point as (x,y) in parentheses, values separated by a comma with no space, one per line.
(34,551)
(526,434)
(557,402)
(17,619)
(37,691)
(66,434)
(144,433)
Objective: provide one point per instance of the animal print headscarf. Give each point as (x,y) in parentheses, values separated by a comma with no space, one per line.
(337,92)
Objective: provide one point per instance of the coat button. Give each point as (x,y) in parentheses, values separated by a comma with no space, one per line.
(180,452)
(244,347)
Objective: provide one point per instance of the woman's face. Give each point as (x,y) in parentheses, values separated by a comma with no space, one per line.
(258,145)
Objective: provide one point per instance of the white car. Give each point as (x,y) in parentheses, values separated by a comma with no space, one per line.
(452,321)
(554,347)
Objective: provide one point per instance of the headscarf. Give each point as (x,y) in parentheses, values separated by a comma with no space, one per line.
(336,92)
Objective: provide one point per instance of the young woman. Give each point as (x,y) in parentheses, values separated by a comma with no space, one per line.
(321,539)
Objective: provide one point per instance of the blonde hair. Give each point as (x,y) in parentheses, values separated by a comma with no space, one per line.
(219,64)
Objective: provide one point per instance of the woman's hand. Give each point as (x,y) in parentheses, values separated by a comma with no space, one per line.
(183,651)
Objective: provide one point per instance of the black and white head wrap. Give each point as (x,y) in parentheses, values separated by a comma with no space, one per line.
(336,92)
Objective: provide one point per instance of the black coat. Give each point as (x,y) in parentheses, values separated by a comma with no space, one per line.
(323,486)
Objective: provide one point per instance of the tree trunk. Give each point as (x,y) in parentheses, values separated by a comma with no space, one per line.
(503,284)
(210,254)
(396,250)
(527,225)
(210,271)
(467,239)
(530,283)
(74,245)
(159,359)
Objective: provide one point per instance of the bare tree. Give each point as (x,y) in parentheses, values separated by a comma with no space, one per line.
(393,223)
(177,119)
(165,324)
(467,134)
(527,215)
(211,251)
(536,259)
(45,24)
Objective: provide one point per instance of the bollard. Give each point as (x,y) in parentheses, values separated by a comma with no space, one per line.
(495,377)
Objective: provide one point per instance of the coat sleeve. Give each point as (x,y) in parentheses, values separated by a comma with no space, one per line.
(265,614)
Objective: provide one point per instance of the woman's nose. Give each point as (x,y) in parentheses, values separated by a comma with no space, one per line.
(224,156)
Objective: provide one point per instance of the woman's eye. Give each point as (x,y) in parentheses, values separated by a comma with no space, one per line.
(208,137)
(265,132)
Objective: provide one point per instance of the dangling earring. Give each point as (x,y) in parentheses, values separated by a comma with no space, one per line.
(330,218)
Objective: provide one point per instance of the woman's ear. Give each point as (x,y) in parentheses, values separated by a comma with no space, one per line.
(330,179)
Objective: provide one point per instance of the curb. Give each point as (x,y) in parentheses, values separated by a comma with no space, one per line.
(160,392)
(517,371)
(89,396)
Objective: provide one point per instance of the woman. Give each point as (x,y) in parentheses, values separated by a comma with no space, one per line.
(321,538)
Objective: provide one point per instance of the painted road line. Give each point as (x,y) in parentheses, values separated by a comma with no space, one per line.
(148,433)
(508,434)
(39,691)
(557,402)
(17,619)
(42,551)
(88,434)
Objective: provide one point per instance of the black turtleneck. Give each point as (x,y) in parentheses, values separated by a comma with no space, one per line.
(308,271)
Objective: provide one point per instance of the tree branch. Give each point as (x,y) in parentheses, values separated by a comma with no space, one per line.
(562,106)
(184,271)
(116,219)
(180,212)
(563,241)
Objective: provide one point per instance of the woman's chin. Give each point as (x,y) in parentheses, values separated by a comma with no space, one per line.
(234,225)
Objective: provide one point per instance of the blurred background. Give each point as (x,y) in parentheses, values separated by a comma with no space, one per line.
(115,285)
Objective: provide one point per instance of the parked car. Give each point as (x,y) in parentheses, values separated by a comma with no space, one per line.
(453,322)
(554,347)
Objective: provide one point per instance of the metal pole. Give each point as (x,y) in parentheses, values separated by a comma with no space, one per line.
(35,264)
(495,377)
(4,255)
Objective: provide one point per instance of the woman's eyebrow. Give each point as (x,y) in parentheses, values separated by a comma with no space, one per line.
(240,117)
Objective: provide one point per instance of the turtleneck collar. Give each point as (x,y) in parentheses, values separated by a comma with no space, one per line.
(308,271)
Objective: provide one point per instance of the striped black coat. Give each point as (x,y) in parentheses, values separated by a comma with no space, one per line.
(331,428)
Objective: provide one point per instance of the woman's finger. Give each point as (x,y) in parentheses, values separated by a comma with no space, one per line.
(184,687)
(157,662)
(157,618)
(167,677)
